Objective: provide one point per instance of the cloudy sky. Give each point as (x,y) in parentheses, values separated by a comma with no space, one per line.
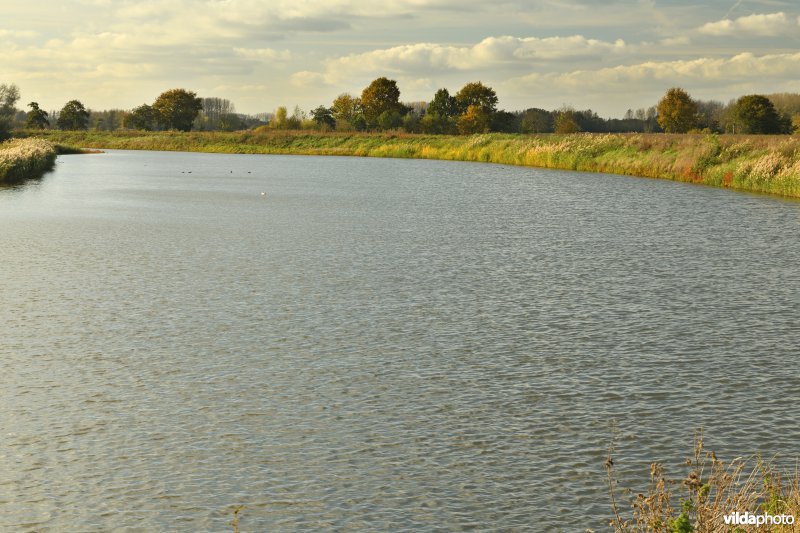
(607,55)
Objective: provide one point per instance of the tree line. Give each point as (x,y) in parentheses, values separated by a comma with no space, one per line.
(176,109)
(472,109)
(678,112)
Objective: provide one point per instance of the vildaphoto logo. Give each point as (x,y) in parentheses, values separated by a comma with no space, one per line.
(750,519)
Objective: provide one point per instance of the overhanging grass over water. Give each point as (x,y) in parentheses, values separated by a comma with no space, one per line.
(769,164)
(25,158)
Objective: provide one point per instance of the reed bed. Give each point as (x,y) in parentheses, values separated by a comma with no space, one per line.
(25,158)
(711,490)
(768,164)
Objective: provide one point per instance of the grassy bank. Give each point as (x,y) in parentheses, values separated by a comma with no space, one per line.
(25,158)
(769,164)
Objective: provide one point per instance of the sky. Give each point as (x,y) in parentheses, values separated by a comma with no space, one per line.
(604,55)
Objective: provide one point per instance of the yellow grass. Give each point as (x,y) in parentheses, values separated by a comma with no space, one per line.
(769,164)
(25,158)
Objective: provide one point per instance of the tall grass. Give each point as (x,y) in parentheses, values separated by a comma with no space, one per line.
(25,158)
(709,491)
(769,164)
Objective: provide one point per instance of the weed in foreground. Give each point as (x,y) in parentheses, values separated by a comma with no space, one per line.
(236,516)
(710,494)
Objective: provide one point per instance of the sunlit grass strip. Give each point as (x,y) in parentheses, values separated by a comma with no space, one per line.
(769,164)
(25,158)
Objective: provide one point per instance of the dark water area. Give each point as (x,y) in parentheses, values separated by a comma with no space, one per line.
(378,344)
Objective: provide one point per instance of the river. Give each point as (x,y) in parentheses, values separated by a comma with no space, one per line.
(378,344)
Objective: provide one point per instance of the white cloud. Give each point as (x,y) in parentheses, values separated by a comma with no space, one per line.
(308,79)
(490,52)
(18,34)
(680,40)
(764,25)
(263,54)
(701,72)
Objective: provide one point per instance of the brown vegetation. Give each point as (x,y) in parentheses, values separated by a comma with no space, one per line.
(710,490)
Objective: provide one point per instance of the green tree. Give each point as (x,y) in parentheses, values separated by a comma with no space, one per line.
(380,96)
(677,112)
(73,116)
(140,118)
(36,118)
(346,111)
(755,113)
(504,122)
(441,114)
(411,122)
(389,120)
(474,120)
(9,94)
(710,115)
(476,94)
(323,118)
(536,120)
(232,122)
(435,123)
(443,104)
(565,121)
(176,109)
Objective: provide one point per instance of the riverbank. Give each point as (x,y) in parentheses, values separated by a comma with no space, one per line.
(768,164)
(25,158)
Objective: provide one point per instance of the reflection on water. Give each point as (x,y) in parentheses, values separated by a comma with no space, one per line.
(377,344)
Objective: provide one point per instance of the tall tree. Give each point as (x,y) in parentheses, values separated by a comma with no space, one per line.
(346,110)
(296,120)
(176,109)
(677,112)
(709,115)
(755,113)
(536,120)
(435,123)
(504,122)
(73,116)
(474,120)
(443,104)
(9,94)
(215,112)
(479,95)
(566,121)
(380,96)
(281,119)
(37,117)
(323,118)
(141,118)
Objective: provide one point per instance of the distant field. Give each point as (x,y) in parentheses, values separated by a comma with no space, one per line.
(758,163)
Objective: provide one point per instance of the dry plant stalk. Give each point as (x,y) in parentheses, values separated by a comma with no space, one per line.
(711,491)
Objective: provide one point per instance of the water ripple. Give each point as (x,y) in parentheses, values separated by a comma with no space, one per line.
(378,345)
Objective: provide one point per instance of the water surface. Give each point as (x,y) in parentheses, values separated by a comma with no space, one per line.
(377,344)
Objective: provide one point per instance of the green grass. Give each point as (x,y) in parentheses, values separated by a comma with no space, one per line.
(25,158)
(768,164)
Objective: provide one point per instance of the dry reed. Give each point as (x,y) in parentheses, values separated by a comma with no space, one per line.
(710,491)
(25,158)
